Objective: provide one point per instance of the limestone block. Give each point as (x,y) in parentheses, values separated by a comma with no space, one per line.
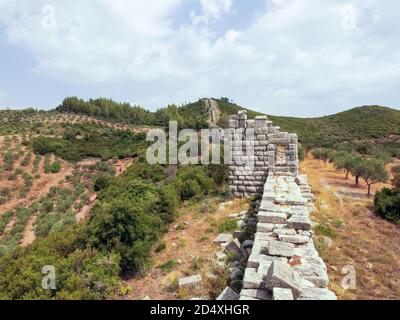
(317,294)
(281,249)
(294,239)
(193,282)
(224,238)
(281,275)
(233,248)
(272,217)
(282,294)
(259,294)
(253,280)
(299,223)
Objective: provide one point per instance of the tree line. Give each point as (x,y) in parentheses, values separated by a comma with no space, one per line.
(188,116)
(371,170)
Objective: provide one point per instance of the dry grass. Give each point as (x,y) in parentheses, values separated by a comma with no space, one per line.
(193,250)
(359,238)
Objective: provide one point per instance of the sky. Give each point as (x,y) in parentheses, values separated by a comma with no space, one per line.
(282,57)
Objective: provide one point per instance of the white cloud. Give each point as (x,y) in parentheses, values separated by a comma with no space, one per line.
(298,57)
(211,9)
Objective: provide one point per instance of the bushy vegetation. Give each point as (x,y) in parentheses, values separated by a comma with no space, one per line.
(387,202)
(106,145)
(132,212)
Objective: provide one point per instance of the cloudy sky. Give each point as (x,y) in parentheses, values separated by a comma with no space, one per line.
(287,57)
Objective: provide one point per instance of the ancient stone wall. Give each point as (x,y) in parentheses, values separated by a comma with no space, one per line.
(279,261)
(258,149)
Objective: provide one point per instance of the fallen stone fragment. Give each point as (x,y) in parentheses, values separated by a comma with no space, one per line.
(282,294)
(272,217)
(281,275)
(193,282)
(252,279)
(259,294)
(281,249)
(233,248)
(299,223)
(224,238)
(317,294)
(228,294)
(294,239)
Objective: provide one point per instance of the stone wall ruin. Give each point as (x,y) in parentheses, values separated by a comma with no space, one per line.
(279,261)
(258,149)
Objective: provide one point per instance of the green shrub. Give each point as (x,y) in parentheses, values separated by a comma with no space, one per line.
(168,266)
(229,225)
(161,247)
(324,230)
(387,204)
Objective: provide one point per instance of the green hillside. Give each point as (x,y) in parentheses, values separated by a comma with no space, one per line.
(349,129)
(356,125)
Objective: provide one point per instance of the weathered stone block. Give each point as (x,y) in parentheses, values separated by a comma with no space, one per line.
(282,294)
(294,239)
(299,223)
(272,217)
(233,248)
(281,275)
(252,279)
(224,238)
(259,294)
(194,282)
(280,249)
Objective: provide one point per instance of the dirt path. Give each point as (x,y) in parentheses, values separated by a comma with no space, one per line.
(360,239)
(8,227)
(29,233)
(189,243)
(83,214)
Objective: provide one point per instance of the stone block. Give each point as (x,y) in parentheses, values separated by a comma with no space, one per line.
(228,295)
(233,248)
(272,217)
(280,249)
(224,238)
(299,223)
(281,275)
(191,283)
(259,294)
(282,294)
(294,239)
(252,279)
(317,294)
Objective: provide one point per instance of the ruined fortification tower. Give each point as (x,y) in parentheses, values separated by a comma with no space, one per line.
(259,149)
